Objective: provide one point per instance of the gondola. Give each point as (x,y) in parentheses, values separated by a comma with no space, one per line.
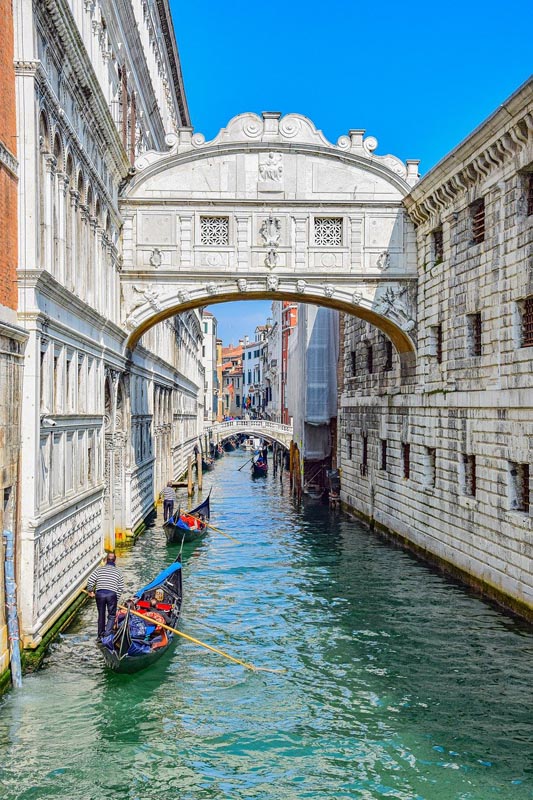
(207,463)
(218,451)
(259,467)
(229,445)
(136,643)
(183,527)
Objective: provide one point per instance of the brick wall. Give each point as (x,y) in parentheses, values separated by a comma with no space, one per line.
(8,142)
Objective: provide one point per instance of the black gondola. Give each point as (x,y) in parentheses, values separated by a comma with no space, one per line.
(259,467)
(136,643)
(207,463)
(218,451)
(185,526)
(230,445)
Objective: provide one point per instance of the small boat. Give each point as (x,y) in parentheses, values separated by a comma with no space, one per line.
(207,463)
(259,467)
(136,643)
(250,444)
(187,526)
(229,445)
(218,451)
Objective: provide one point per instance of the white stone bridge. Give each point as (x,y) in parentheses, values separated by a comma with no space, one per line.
(270,209)
(263,428)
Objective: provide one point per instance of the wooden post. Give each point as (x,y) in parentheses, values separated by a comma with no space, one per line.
(199,470)
(189,477)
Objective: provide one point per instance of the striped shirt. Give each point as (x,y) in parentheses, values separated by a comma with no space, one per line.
(168,493)
(108,578)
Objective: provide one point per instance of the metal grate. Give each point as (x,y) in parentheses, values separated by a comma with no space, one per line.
(388,356)
(477,218)
(527,323)
(383,464)
(353,363)
(437,342)
(364,458)
(328,231)
(214,230)
(469,463)
(369,359)
(520,487)
(406,457)
(529,190)
(474,331)
(438,246)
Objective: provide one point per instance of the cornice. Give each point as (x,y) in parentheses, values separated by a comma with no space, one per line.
(504,136)
(87,80)
(167,28)
(8,160)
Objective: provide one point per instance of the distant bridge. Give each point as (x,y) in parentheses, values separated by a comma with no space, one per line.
(263,428)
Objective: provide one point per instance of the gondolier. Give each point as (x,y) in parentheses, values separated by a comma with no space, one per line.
(106,583)
(169,497)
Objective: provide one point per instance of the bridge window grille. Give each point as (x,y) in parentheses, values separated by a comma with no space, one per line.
(406,458)
(328,231)
(529,189)
(474,334)
(438,246)
(519,487)
(214,230)
(383,462)
(527,323)
(469,474)
(477,220)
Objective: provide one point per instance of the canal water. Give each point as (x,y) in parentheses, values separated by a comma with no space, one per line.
(397,682)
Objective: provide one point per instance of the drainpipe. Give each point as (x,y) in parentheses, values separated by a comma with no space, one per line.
(11,606)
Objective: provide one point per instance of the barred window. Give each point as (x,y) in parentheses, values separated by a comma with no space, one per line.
(527,322)
(214,230)
(406,458)
(369,359)
(519,487)
(364,454)
(349,446)
(473,322)
(431,466)
(383,462)
(477,220)
(469,474)
(435,343)
(388,355)
(529,194)
(438,246)
(353,363)
(328,231)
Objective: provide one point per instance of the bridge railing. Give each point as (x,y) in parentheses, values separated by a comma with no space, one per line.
(251,425)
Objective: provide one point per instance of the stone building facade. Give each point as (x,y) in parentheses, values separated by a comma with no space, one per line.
(442,457)
(12,336)
(97,84)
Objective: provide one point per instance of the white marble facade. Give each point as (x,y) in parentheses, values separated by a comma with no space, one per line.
(102,427)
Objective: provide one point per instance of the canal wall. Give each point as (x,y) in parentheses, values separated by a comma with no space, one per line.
(442,460)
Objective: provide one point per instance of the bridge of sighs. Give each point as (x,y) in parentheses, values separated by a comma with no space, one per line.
(270,209)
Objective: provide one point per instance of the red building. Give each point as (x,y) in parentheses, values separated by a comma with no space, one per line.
(289,319)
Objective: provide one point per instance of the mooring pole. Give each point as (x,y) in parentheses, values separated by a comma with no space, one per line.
(199,470)
(189,477)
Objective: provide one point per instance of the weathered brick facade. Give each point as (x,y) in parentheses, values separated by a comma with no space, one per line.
(448,453)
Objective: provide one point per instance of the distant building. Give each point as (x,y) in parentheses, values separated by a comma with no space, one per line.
(232,379)
(253,367)
(289,320)
(272,366)
(209,360)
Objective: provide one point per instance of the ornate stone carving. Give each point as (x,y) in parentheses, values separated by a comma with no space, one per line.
(270,231)
(211,288)
(242,284)
(394,302)
(329,290)
(184,296)
(155,257)
(383,261)
(214,230)
(357,296)
(141,296)
(272,168)
(300,286)
(272,283)
(328,231)
(271,258)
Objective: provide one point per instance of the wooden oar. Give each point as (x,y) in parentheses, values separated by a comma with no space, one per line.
(245,463)
(202,644)
(208,525)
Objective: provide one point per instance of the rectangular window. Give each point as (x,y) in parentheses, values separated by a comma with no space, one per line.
(205,327)
(383,459)
(387,366)
(349,446)
(44,377)
(406,459)
(438,245)
(364,454)
(369,359)
(431,466)
(519,487)
(353,363)
(473,332)
(435,342)
(328,231)
(529,194)
(203,351)
(214,230)
(469,474)
(237,400)
(249,353)
(477,220)
(527,322)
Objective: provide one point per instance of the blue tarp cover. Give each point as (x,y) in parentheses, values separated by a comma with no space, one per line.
(160,578)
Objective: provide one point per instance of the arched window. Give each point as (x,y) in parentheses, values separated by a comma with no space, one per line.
(44,147)
(69,170)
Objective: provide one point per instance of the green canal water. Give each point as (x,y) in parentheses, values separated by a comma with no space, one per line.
(398,683)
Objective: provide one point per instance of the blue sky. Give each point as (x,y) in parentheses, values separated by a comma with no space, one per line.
(417,76)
